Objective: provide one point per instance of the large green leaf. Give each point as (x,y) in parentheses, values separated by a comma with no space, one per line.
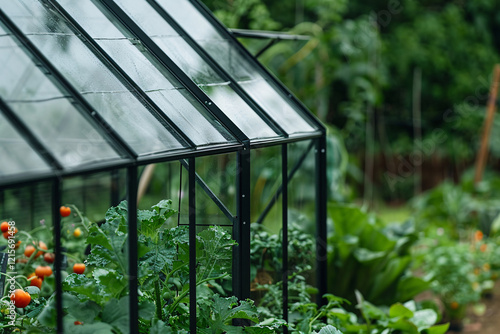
(392,271)
(329,330)
(424,318)
(410,286)
(83,285)
(116,313)
(215,257)
(84,311)
(438,329)
(400,311)
(347,220)
(159,327)
(217,313)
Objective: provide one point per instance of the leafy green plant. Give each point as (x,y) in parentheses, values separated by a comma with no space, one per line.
(98,301)
(453,280)
(367,256)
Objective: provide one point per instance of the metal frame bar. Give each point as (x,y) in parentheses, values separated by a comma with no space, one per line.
(132,246)
(192,245)
(321,217)
(29,137)
(218,69)
(173,155)
(59,258)
(91,115)
(267,34)
(280,190)
(241,230)
(274,37)
(202,8)
(122,75)
(284,244)
(211,194)
(170,65)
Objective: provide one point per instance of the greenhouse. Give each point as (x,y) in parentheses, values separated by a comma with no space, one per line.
(144,149)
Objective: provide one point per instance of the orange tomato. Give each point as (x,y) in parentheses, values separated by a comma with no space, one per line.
(483,248)
(478,235)
(6,234)
(78,323)
(49,257)
(43,271)
(20,298)
(64,211)
(79,268)
(18,243)
(37,281)
(4,227)
(31,249)
(77,232)
(454,305)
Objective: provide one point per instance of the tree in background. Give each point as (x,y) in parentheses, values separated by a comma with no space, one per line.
(358,69)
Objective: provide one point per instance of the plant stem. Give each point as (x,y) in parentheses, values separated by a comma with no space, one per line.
(158,300)
(185,293)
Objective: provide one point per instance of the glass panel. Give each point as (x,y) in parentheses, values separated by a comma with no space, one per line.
(18,157)
(218,173)
(118,106)
(228,56)
(52,118)
(21,79)
(197,69)
(301,220)
(34,245)
(187,113)
(101,264)
(266,228)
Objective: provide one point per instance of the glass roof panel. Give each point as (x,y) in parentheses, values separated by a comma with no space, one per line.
(13,163)
(132,120)
(243,71)
(217,88)
(161,86)
(50,116)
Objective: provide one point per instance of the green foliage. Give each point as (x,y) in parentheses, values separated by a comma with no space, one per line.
(367,256)
(452,271)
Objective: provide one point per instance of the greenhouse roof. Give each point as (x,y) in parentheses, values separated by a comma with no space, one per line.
(88,85)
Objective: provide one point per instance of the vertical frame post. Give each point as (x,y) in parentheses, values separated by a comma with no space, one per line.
(192,244)
(321,213)
(56,218)
(132,246)
(241,229)
(284,205)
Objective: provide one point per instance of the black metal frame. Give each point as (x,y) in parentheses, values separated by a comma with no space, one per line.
(187,157)
(273,36)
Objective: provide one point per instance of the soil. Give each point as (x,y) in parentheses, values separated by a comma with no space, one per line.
(489,321)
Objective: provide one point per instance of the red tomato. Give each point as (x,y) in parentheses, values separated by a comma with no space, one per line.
(20,298)
(65,211)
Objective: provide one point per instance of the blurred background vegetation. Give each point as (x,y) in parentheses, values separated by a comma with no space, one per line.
(402,83)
